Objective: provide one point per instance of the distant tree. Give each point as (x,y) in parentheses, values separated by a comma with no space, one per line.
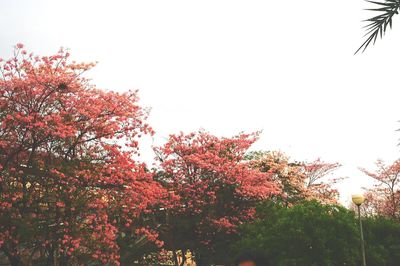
(287,175)
(214,190)
(298,180)
(384,198)
(382,19)
(319,186)
(70,187)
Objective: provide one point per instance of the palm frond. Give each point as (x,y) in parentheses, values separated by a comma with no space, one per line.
(377,25)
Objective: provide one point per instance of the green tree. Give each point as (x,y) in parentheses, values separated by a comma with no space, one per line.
(382,239)
(306,234)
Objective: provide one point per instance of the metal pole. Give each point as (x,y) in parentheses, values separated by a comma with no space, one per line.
(362,237)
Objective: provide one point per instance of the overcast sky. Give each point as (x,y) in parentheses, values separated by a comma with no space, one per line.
(284,67)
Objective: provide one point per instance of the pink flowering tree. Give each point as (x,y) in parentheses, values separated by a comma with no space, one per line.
(384,198)
(319,184)
(297,180)
(70,188)
(212,188)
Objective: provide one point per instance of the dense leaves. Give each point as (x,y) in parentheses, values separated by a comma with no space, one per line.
(382,237)
(305,234)
(311,233)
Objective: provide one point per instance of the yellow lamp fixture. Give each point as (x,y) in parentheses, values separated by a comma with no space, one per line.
(358,199)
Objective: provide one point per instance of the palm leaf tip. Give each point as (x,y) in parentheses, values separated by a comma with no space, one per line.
(377,25)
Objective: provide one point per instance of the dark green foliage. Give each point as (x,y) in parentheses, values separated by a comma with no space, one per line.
(306,234)
(382,237)
(313,234)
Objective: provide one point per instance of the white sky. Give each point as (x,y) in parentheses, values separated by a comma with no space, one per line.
(284,67)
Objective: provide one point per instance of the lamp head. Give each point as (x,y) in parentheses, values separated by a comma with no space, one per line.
(358,199)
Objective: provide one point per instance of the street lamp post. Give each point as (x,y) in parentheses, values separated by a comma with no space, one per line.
(358,200)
